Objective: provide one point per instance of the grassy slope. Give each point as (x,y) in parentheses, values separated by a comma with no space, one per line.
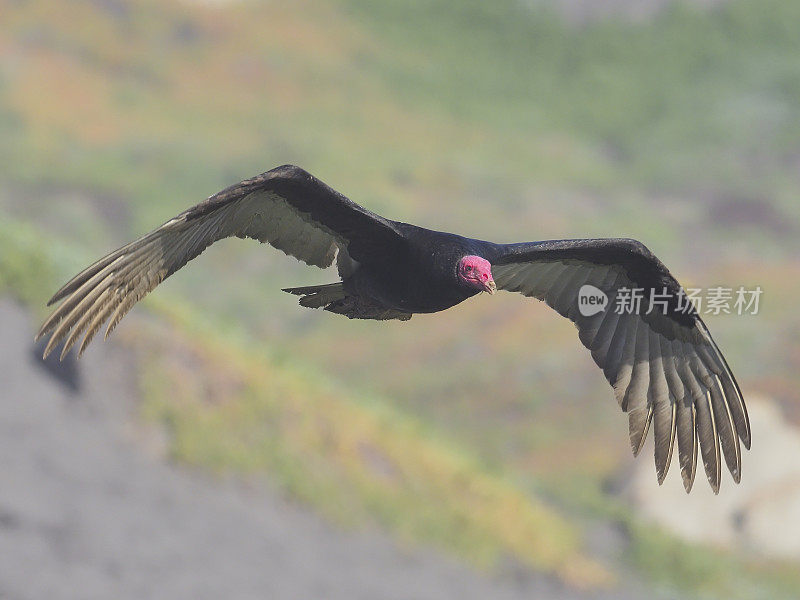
(528,128)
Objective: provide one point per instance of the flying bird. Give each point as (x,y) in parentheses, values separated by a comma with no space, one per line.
(662,363)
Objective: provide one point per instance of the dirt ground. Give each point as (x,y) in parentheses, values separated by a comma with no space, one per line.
(89,508)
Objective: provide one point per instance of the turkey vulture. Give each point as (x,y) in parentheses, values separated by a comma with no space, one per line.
(663,364)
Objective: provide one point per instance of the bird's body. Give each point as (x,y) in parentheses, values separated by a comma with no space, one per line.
(663,364)
(408,281)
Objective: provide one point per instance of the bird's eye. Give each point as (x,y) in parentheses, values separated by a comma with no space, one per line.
(468,269)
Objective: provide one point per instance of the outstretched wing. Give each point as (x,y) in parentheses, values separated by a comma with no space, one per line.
(659,357)
(286,207)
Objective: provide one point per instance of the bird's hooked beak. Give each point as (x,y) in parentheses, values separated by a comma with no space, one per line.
(476,272)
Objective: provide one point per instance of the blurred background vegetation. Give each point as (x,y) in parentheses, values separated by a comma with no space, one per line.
(486,430)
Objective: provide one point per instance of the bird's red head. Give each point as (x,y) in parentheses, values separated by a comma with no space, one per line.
(476,272)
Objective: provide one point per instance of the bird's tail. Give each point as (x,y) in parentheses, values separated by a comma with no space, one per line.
(317,296)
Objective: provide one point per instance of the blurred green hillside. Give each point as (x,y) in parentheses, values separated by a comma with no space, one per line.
(497,120)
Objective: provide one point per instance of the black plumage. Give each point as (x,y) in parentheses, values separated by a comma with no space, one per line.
(663,365)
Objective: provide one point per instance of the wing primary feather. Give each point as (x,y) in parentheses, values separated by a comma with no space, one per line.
(639,420)
(664,420)
(659,397)
(622,370)
(96,307)
(74,314)
(687,441)
(635,401)
(695,396)
(636,394)
(92,270)
(75,298)
(730,440)
(723,421)
(119,267)
(97,323)
(709,439)
(676,387)
(712,357)
(121,310)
